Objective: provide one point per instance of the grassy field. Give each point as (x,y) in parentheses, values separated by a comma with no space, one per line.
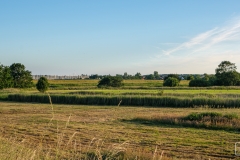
(91,84)
(39,131)
(115,129)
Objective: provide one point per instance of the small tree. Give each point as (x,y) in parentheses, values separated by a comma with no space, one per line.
(171,82)
(42,84)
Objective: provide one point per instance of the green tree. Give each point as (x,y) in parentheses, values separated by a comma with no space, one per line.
(6,80)
(226,74)
(138,75)
(173,76)
(42,84)
(110,81)
(150,77)
(190,77)
(171,82)
(21,78)
(156,75)
(199,83)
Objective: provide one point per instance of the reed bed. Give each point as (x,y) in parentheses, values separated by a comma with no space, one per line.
(156,93)
(156,101)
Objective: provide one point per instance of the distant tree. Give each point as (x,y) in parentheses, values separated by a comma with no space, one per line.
(94,76)
(197,76)
(42,84)
(173,76)
(171,82)
(199,83)
(206,76)
(190,77)
(6,80)
(156,75)
(150,77)
(125,75)
(138,75)
(21,78)
(226,74)
(110,81)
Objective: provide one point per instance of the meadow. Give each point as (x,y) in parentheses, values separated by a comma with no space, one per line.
(141,120)
(39,131)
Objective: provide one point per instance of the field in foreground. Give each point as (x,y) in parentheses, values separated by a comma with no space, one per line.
(86,132)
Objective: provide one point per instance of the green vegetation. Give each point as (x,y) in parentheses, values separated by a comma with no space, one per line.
(6,80)
(15,76)
(133,100)
(171,82)
(30,131)
(199,83)
(144,119)
(21,78)
(110,81)
(208,120)
(226,74)
(42,84)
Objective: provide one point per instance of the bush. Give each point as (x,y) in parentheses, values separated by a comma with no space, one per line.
(171,82)
(199,83)
(110,81)
(42,84)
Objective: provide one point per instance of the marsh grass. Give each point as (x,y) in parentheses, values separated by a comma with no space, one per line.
(128,100)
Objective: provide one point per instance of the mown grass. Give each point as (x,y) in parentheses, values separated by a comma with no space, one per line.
(88,132)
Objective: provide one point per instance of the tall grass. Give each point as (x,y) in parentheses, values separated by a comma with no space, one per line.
(157,101)
(209,120)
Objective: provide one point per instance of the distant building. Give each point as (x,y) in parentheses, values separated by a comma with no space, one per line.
(36,77)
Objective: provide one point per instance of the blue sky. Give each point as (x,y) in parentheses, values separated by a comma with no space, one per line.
(112,37)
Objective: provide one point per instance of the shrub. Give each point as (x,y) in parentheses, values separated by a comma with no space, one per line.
(42,84)
(171,82)
(110,81)
(199,83)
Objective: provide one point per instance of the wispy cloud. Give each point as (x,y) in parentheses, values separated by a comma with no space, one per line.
(209,38)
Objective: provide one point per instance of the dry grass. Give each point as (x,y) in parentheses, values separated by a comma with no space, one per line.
(90,132)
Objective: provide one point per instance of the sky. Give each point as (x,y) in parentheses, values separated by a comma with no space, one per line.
(60,37)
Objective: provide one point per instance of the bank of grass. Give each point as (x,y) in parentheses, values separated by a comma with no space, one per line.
(127,100)
(30,131)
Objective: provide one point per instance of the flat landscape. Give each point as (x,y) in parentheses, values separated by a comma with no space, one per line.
(120,80)
(76,130)
(31,129)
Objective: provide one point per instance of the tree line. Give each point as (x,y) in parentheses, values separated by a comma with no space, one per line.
(16,76)
(225,75)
